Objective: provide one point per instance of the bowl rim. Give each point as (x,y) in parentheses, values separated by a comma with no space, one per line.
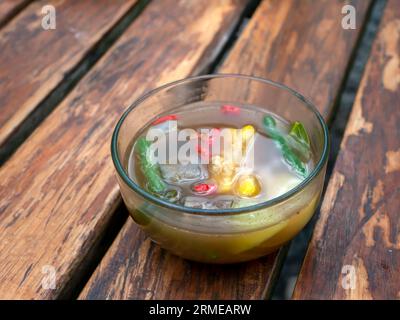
(220,212)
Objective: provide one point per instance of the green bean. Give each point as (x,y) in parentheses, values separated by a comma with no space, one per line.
(151,171)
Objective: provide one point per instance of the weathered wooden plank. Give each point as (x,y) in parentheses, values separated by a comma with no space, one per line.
(34,61)
(58,191)
(8,8)
(295,42)
(358,232)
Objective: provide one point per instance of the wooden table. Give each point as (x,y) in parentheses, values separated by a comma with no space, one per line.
(63,90)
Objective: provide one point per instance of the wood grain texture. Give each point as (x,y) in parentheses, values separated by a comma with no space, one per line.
(300,43)
(8,8)
(34,61)
(359,224)
(58,191)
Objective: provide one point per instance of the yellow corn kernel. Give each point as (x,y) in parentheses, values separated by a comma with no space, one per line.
(247,134)
(248,186)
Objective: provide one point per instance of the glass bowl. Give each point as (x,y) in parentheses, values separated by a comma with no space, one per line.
(226,235)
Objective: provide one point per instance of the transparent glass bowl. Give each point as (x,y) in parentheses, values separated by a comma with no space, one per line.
(227,235)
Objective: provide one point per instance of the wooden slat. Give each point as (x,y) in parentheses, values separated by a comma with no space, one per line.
(8,8)
(295,42)
(359,224)
(34,61)
(58,191)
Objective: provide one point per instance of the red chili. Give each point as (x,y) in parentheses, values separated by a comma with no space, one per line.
(204,188)
(228,109)
(165,118)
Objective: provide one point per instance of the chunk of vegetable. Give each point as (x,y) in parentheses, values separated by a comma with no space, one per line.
(149,169)
(286,146)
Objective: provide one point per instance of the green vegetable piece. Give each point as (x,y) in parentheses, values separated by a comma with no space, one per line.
(299,141)
(285,144)
(300,133)
(292,159)
(172,195)
(150,170)
(301,149)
